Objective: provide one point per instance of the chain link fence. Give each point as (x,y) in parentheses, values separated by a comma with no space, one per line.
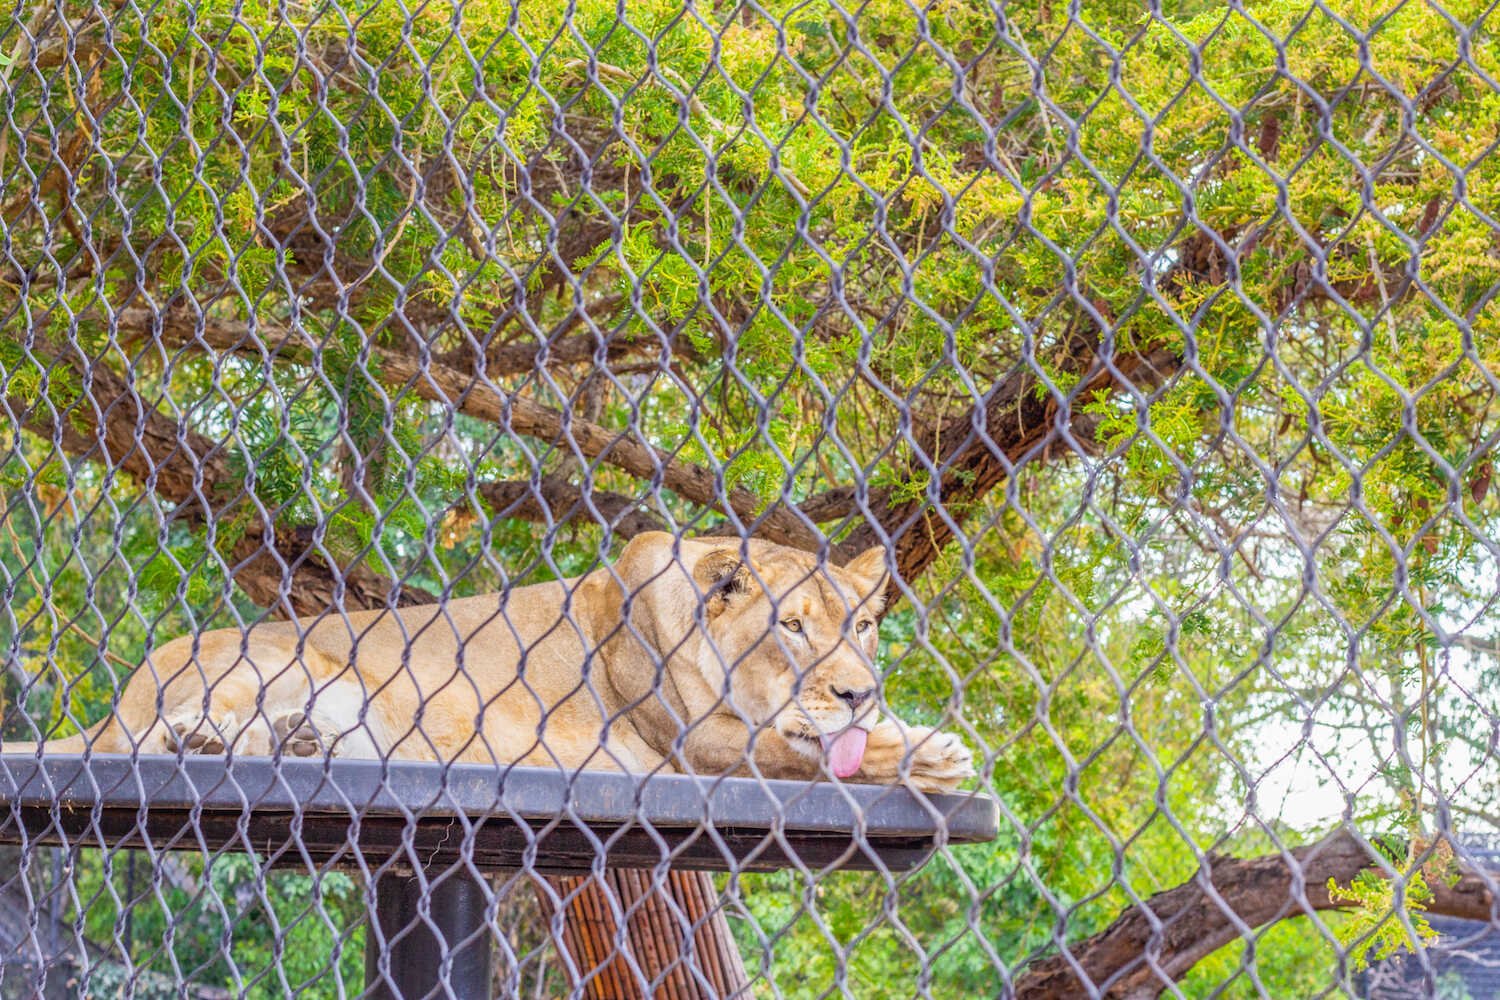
(769,500)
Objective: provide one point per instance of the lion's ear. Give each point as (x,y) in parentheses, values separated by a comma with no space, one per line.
(722,576)
(870,574)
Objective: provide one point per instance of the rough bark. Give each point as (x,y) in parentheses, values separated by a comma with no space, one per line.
(519,415)
(111,424)
(285,571)
(1150,946)
(183,328)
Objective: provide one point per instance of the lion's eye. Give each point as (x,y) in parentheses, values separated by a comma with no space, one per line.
(863,627)
(791,624)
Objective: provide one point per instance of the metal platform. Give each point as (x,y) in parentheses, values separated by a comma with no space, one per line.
(390,818)
(296,811)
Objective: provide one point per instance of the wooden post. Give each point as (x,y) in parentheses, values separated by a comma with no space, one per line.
(447,954)
(703,965)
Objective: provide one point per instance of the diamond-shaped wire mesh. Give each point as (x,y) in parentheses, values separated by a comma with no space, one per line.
(782,500)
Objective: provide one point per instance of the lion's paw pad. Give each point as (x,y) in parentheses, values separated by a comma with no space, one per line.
(189,737)
(297,735)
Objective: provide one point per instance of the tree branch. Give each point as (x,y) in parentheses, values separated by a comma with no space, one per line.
(477,396)
(555,500)
(1156,943)
(1017,421)
(519,415)
(184,328)
(276,568)
(111,424)
(289,575)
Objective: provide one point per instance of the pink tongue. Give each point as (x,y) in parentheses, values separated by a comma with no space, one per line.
(846,751)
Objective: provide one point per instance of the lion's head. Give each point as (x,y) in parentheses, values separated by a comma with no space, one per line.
(762,631)
(793,644)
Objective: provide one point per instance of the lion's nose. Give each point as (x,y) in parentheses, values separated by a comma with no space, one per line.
(854,699)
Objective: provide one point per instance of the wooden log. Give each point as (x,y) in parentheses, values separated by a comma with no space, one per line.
(678,938)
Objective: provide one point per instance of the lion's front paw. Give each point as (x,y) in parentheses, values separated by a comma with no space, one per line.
(923,757)
(939,761)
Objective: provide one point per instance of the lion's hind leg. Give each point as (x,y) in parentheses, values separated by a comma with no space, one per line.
(225,692)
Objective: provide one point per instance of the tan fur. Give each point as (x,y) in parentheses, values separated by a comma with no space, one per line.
(531,676)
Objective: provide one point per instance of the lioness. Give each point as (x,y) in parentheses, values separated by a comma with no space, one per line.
(682,656)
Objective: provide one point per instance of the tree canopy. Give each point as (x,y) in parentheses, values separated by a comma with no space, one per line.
(1159,347)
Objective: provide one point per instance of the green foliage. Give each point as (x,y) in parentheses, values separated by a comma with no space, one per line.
(1293,958)
(1373,926)
(208,922)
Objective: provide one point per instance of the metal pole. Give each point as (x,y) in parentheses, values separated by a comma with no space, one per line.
(454,962)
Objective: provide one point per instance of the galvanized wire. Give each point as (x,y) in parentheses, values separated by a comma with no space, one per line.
(1135,366)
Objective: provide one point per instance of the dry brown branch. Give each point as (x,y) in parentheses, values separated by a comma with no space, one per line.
(520,415)
(183,329)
